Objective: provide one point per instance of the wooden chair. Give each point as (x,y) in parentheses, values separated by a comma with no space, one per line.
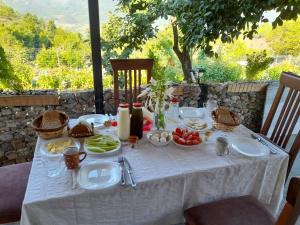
(246,210)
(13,183)
(288,117)
(132,70)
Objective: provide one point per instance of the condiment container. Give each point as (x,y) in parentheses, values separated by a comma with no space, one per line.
(173,111)
(123,122)
(137,120)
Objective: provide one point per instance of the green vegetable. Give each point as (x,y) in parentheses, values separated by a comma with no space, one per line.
(101,143)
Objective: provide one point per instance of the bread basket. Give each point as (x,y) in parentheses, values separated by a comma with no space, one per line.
(220,124)
(51,124)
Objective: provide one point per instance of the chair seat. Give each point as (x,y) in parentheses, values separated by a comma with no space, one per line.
(245,210)
(13,183)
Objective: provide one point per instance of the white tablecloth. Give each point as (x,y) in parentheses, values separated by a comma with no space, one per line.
(169,181)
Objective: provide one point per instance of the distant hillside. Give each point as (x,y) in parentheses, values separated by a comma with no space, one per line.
(71,14)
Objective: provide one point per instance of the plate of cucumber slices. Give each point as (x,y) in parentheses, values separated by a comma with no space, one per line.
(102,145)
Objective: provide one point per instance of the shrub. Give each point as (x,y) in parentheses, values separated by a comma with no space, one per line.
(256,63)
(219,71)
(273,73)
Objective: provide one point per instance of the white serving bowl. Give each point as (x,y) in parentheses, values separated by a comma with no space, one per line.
(158,143)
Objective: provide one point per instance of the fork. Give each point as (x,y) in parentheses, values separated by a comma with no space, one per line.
(121,162)
(261,140)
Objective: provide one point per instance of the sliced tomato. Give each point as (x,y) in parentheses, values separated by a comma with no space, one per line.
(186,135)
(196,133)
(191,137)
(196,142)
(181,141)
(178,130)
(176,137)
(189,142)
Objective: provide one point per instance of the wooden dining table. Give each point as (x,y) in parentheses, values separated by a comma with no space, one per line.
(169,180)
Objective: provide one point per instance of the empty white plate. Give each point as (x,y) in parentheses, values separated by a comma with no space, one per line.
(248,146)
(99,175)
(190,112)
(97,119)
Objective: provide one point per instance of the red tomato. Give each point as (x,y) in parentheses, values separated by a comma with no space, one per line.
(196,142)
(186,135)
(181,141)
(178,130)
(190,137)
(189,142)
(195,138)
(175,133)
(196,133)
(176,137)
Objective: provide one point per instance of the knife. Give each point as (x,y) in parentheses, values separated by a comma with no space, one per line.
(261,140)
(129,171)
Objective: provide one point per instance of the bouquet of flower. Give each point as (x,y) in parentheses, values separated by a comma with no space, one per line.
(157,93)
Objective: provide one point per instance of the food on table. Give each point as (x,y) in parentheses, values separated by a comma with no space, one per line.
(123,122)
(101,143)
(137,120)
(195,123)
(223,115)
(58,146)
(133,140)
(81,130)
(160,137)
(186,137)
(107,123)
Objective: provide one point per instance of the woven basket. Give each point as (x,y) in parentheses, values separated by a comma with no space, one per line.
(54,127)
(223,126)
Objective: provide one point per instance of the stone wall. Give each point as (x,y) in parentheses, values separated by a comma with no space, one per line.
(249,105)
(18,139)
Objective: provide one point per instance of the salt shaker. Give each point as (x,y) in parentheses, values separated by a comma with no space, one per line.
(222,146)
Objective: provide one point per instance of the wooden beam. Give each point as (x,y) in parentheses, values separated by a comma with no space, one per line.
(29,100)
(96,54)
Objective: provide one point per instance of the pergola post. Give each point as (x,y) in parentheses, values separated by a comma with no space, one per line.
(96,54)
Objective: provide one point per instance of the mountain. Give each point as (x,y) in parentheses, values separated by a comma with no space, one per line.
(70,14)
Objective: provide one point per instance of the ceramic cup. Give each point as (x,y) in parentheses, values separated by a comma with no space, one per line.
(222,146)
(72,157)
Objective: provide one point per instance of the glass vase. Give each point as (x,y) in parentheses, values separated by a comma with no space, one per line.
(159,116)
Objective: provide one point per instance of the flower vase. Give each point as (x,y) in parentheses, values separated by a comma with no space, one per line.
(159,116)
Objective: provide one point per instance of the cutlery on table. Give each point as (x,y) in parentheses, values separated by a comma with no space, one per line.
(264,142)
(121,162)
(129,171)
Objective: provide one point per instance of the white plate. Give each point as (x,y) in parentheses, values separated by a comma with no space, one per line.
(190,112)
(99,175)
(248,146)
(115,151)
(45,151)
(186,121)
(97,119)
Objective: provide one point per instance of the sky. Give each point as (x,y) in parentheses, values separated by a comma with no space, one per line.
(73,14)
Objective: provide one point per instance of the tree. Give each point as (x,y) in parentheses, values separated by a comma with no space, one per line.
(197,24)
(256,63)
(7,77)
(284,40)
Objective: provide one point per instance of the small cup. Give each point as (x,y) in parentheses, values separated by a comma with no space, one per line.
(72,157)
(222,146)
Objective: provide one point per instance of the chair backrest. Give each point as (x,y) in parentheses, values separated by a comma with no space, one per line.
(132,71)
(288,116)
(291,209)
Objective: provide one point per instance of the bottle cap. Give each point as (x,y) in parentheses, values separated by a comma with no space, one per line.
(123,105)
(174,100)
(137,104)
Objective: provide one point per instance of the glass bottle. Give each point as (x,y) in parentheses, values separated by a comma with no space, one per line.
(123,122)
(137,120)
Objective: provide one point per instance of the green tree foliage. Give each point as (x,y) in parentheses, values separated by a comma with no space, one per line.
(197,24)
(256,63)
(284,40)
(7,77)
(274,72)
